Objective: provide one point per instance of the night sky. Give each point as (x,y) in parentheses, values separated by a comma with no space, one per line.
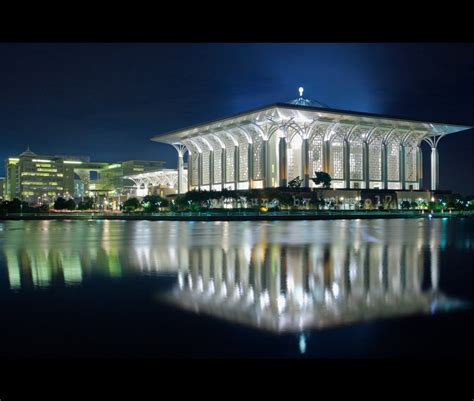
(107,100)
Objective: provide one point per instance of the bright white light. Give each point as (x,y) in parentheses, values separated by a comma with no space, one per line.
(200,284)
(264,299)
(211,287)
(281,302)
(301,89)
(72,162)
(335,289)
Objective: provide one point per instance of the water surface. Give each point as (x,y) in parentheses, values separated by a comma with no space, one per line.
(343,288)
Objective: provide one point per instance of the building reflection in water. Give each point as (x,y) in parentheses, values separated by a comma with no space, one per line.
(281,276)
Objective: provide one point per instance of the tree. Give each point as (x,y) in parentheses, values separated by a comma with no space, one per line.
(70,204)
(86,204)
(15,206)
(131,204)
(295,183)
(322,178)
(405,204)
(60,203)
(413,205)
(151,203)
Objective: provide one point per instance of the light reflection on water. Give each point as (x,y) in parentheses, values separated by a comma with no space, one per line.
(280,276)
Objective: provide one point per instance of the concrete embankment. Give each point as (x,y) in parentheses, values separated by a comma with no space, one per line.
(203,216)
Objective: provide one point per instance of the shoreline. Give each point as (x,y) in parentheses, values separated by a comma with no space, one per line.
(241,216)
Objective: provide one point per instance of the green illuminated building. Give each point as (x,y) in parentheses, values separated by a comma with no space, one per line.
(39,179)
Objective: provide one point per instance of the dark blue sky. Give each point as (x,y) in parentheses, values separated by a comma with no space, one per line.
(108,100)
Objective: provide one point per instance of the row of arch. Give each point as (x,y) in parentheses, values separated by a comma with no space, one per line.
(255,156)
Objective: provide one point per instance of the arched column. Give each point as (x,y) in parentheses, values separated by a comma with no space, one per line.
(200,171)
(195,163)
(181,149)
(433,141)
(384,166)
(419,165)
(326,156)
(346,157)
(305,159)
(250,164)
(365,164)
(236,166)
(266,156)
(223,166)
(402,166)
(283,162)
(190,170)
(434,169)
(211,169)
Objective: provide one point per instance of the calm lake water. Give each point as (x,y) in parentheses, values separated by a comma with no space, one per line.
(344,288)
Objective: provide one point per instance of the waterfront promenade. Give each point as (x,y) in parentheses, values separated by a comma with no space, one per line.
(239,215)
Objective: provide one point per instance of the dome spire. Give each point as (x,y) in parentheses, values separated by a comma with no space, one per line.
(301,101)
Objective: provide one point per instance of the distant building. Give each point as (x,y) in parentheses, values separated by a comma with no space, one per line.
(2,181)
(161,182)
(35,178)
(40,179)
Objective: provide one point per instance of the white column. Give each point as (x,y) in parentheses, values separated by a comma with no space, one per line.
(250,164)
(190,170)
(402,166)
(200,171)
(384,167)
(236,166)
(283,162)
(211,169)
(434,169)
(365,164)
(347,167)
(180,173)
(327,157)
(223,166)
(419,167)
(305,162)
(266,170)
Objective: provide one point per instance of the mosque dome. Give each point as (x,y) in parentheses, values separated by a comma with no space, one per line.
(301,101)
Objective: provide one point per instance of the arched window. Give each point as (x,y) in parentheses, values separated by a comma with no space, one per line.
(243,156)
(258,157)
(230,156)
(205,156)
(315,149)
(411,150)
(375,155)
(217,148)
(356,155)
(294,157)
(337,158)
(393,160)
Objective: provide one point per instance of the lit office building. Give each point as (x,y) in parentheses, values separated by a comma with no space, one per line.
(34,178)
(39,179)
(271,145)
(2,182)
